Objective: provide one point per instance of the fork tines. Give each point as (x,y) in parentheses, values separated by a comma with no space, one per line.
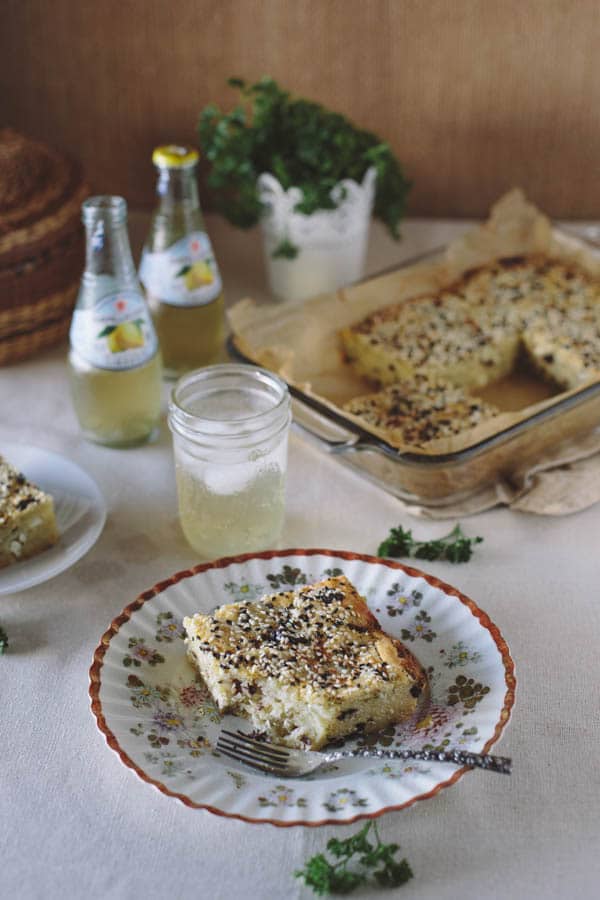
(259,755)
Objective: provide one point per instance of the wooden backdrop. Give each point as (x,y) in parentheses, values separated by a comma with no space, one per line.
(475,96)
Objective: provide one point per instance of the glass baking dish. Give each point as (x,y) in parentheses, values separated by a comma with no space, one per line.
(442,479)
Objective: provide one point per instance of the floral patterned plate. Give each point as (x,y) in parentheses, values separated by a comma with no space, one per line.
(156,713)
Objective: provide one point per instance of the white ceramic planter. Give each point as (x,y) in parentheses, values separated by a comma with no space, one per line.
(332,243)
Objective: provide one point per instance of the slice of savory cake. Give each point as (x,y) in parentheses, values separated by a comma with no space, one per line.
(563,343)
(420,411)
(27,522)
(442,336)
(306,666)
(569,358)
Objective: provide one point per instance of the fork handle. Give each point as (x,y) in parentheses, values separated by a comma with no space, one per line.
(458,757)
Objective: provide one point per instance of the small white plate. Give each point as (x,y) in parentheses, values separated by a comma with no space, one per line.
(80,514)
(157,715)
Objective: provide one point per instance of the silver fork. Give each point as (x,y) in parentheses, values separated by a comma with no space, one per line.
(289,763)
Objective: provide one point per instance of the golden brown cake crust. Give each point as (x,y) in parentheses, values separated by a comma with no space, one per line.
(396,654)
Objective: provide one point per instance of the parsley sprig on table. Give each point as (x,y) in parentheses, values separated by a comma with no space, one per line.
(454,547)
(3,640)
(374,860)
(303,145)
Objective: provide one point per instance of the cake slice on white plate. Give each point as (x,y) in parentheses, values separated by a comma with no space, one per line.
(27,520)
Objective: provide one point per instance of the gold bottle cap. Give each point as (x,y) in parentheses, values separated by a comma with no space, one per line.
(173,156)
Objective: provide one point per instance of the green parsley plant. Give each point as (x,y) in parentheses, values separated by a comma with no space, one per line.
(303,145)
(454,547)
(368,860)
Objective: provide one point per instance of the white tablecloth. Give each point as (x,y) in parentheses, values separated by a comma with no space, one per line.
(75,823)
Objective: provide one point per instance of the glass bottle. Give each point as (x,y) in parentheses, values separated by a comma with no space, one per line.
(114,360)
(178,268)
(230,427)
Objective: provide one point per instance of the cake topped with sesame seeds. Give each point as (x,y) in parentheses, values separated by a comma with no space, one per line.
(470,332)
(306,666)
(27,521)
(420,411)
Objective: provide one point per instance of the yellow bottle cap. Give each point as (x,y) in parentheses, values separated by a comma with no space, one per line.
(173,156)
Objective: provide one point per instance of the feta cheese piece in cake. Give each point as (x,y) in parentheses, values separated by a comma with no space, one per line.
(27,521)
(306,666)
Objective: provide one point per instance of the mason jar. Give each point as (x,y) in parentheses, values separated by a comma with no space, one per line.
(230,427)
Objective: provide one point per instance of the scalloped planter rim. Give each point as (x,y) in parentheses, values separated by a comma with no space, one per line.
(332,243)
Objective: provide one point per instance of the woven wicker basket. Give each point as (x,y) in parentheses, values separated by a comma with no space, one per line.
(41,245)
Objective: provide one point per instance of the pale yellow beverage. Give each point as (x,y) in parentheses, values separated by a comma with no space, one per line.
(179,271)
(115,368)
(218,517)
(189,336)
(118,408)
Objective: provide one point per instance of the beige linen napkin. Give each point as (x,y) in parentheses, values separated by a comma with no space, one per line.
(563,481)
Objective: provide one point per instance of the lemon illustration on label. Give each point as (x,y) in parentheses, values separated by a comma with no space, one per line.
(196,275)
(126,336)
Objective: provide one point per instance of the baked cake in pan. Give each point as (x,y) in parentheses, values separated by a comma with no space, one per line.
(471,332)
(470,335)
(306,666)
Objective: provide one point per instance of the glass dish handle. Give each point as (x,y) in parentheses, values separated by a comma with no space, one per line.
(335,438)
